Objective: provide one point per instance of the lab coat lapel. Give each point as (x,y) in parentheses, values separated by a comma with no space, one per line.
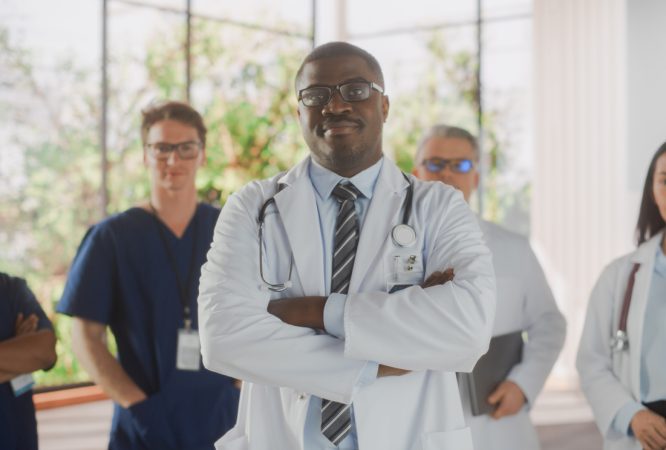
(383,213)
(298,209)
(645,256)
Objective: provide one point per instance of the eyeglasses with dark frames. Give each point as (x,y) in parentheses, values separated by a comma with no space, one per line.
(186,150)
(350,91)
(459,165)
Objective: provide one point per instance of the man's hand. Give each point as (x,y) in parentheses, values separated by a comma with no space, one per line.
(388,371)
(650,429)
(508,398)
(300,311)
(25,325)
(438,278)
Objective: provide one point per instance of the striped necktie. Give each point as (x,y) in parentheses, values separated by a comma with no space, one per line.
(336,417)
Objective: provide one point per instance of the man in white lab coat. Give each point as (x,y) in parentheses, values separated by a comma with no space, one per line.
(524,299)
(329,289)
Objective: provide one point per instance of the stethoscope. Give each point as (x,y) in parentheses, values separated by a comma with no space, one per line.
(620,341)
(403,234)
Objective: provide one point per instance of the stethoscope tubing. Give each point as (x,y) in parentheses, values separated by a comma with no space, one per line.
(279,287)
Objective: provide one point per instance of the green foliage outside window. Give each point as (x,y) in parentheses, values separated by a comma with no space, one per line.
(243,85)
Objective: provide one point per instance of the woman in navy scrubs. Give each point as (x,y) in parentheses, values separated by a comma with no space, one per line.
(137,273)
(27,344)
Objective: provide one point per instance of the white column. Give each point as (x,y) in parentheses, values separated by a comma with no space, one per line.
(331,21)
(580,215)
(646,83)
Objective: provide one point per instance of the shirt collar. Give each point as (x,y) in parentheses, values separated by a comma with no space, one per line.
(325,180)
(660,262)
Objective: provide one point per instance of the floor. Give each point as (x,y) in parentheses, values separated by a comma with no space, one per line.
(563,419)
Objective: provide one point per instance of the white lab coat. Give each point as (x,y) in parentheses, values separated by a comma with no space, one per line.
(433,332)
(524,302)
(611,379)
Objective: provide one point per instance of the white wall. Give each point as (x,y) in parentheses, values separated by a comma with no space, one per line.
(646,81)
(600,92)
(579,214)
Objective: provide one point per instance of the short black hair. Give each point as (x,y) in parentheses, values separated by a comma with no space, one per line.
(650,221)
(339,48)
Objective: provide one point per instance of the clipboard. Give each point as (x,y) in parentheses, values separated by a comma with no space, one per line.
(504,352)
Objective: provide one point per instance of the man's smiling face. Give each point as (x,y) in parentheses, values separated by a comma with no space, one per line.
(345,137)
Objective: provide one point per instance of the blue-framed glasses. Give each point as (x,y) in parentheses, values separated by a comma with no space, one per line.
(458,165)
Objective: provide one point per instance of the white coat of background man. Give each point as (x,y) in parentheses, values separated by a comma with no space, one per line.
(524,299)
(310,349)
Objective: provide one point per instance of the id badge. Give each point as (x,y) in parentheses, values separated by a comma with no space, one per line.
(188,355)
(22,384)
(404,269)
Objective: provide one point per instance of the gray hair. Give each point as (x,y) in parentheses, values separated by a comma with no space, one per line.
(447,131)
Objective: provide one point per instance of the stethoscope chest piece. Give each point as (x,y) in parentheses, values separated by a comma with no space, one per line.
(620,341)
(403,235)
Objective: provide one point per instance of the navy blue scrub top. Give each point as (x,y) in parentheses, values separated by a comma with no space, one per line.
(122,276)
(18,428)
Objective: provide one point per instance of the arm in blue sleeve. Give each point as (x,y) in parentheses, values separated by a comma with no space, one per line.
(28,304)
(334,315)
(334,323)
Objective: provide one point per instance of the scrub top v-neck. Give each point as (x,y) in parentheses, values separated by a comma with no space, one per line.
(123,276)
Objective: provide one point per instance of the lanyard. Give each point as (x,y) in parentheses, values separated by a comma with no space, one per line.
(182,288)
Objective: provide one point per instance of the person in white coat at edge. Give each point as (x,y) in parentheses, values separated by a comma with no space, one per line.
(330,356)
(622,355)
(524,300)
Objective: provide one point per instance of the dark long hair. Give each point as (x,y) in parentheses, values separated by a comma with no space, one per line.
(650,221)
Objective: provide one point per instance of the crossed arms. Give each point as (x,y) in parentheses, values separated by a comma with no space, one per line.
(29,350)
(309,312)
(443,327)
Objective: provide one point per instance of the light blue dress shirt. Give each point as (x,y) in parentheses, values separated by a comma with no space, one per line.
(324,181)
(653,364)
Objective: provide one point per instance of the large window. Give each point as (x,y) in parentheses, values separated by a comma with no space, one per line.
(71,146)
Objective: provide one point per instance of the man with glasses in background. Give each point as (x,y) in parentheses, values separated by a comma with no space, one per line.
(136,273)
(524,299)
(327,292)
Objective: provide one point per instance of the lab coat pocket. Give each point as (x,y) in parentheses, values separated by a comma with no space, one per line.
(460,439)
(402,268)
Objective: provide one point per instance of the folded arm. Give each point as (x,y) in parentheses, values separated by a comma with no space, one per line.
(28,351)
(309,312)
(444,327)
(240,338)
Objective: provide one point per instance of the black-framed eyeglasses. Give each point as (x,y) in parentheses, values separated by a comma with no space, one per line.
(350,91)
(185,150)
(459,165)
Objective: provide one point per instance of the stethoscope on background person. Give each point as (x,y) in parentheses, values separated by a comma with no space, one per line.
(620,341)
(403,235)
